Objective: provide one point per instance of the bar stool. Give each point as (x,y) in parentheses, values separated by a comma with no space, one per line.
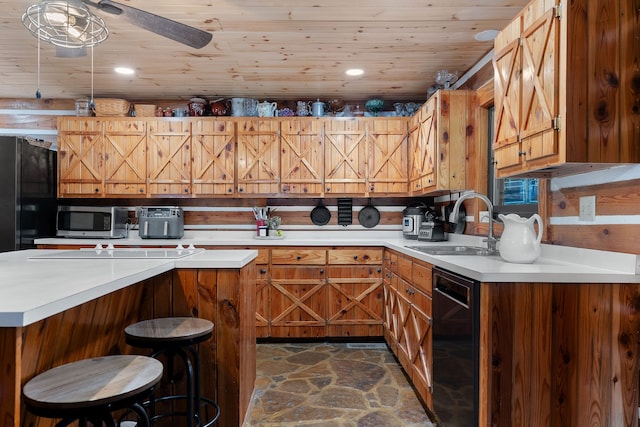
(177,336)
(92,389)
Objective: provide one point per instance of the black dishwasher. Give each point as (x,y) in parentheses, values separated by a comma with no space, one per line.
(456,329)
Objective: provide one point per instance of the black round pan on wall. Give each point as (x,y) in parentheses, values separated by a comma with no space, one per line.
(369,216)
(320,215)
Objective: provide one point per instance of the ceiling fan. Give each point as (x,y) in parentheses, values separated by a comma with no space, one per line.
(165,27)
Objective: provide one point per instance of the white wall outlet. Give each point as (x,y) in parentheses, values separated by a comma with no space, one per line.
(587,208)
(484,216)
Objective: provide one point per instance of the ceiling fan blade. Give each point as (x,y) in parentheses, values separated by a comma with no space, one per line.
(173,30)
(109,8)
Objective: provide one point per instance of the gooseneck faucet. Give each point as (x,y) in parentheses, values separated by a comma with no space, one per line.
(491,241)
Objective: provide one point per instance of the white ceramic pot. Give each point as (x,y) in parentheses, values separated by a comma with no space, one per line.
(267,109)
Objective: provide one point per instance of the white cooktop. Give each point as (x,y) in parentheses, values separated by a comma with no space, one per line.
(122,253)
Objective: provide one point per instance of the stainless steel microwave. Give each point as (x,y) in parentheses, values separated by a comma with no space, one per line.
(104,222)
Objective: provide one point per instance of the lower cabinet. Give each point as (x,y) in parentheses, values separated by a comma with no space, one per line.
(263,310)
(304,292)
(298,302)
(408,311)
(355,301)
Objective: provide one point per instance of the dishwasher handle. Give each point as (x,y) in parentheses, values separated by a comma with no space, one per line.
(456,292)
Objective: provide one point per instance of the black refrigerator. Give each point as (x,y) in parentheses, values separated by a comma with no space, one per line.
(27,193)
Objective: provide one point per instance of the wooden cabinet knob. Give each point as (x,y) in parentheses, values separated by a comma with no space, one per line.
(322,271)
(263,271)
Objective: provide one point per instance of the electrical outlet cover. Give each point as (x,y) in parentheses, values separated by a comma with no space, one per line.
(587,208)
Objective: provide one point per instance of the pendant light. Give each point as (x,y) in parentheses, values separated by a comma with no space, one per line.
(67,24)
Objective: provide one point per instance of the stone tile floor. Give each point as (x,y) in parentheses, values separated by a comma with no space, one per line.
(332,385)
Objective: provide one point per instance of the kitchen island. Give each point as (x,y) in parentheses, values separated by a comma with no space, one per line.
(54,311)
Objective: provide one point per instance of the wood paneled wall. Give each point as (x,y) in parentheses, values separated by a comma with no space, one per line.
(621,199)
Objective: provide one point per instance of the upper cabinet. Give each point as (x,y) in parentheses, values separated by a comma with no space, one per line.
(388,158)
(80,157)
(258,156)
(439,135)
(345,157)
(169,159)
(213,163)
(302,159)
(125,157)
(565,96)
(272,157)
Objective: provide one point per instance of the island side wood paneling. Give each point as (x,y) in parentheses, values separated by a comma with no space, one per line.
(559,354)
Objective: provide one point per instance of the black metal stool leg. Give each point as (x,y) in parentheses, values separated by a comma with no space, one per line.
(196,382)
(143,418)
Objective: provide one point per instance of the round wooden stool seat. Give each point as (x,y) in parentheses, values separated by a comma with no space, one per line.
(169,331)
(92,386)
(172,337)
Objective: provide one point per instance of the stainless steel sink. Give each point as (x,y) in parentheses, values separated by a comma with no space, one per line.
(451,250)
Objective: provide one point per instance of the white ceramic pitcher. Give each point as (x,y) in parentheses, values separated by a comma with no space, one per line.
(267,109)
(519,242)
(237,107)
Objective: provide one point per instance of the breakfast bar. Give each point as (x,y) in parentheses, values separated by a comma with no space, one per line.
(54,310)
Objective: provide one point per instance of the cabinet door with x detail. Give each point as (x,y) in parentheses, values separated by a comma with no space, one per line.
(258,156)
(302,157)
(80,157)
(355,300)
(389,158)
(213,165)
(345,157)
(125,158)
(169,157)
(298,302)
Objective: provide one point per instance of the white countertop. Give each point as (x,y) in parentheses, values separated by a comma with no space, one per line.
(557,264)
(32,289)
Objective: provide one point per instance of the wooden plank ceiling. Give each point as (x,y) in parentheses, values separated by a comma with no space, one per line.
(265,49)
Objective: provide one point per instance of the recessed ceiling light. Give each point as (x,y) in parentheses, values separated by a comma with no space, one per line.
(486,35)
(354,72)
(124,70)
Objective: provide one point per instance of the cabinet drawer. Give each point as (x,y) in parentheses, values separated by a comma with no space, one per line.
(390,261)
(421,277)
(404,267)
(354,272)
(263,256)
(355,256)
(422,302)
(299,256)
